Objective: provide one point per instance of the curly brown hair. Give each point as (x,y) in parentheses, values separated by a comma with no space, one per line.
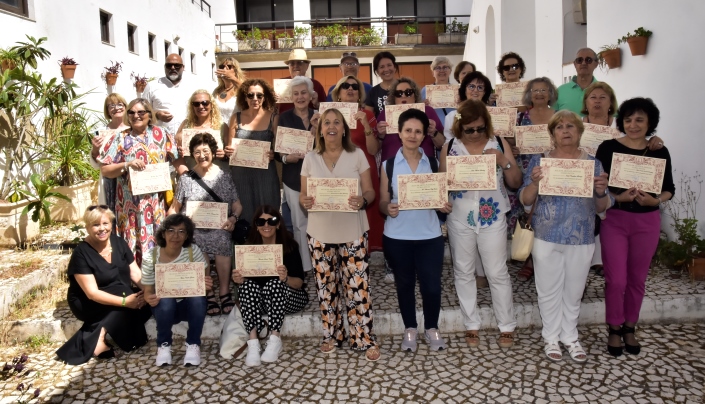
(469,111)
(269,102)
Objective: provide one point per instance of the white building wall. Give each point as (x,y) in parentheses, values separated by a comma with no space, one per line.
(574,35)
(548,44)
(73,29)
(476,47)
(519,36)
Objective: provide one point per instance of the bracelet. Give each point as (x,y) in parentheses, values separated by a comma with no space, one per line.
(123,299)
(369,132)
(124,168)
(658,198)
(284,158)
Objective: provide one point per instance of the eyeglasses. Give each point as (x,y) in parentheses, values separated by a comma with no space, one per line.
(140,113)
(479,129)
(116,106)
(175,66)
(473,87)
(538,90)
(272,221)
(405,93)
(346,86)
(251,96)
(439,68)
(204,104)
(224,66)
(94,207)
(514,66)
(176,232)
(203,153)
(350,64)
(588,60)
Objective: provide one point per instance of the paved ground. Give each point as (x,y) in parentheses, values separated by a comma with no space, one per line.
(671,368)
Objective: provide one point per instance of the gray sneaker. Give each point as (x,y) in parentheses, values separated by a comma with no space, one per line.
(434,339)
(409,341)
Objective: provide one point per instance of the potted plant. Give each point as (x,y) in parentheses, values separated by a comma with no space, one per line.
(140,82)
(8,59)
(610,55)
(455,32)
(366,37)
(110,75)
(68,67)
(410,35)
(42,203)
(637,41)
(256,39)
(331,35)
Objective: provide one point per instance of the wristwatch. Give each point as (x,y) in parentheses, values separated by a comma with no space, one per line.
(284,158)
(364,203)
(508,166)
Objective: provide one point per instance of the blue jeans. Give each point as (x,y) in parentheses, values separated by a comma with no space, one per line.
(169,312)
(411,259)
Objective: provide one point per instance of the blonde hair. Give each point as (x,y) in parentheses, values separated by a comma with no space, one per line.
(360,89)
(215,118)
(239,74)
(95,213)
(147,107)
(112,98)
(569,115)
(604,87)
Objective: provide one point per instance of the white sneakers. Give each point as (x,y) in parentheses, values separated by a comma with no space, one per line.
(274,347)
(164,355)
(253,349)
(192,357)
(409,341)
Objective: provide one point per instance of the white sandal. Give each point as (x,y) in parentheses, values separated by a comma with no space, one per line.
(552,348)
(576,351)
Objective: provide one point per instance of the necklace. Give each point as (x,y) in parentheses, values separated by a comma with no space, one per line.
(224,94)
(333,163)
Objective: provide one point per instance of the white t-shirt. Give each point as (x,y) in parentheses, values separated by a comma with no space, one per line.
(165,96)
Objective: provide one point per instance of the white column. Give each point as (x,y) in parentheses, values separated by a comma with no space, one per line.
(549,39)
(302,11)
(379,9)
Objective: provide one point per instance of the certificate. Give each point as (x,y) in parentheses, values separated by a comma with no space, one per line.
(567,177)
(472,173)
(392,112)
(282,90)
(504,121)
(643,173)
(594,135)
(250,153)
(443,96)
(331,194)
(180,280)
(510,94)
(348,109)
(290,140)
(533,139)
(188,134)
(154,178)
(258,260)
(422,191)
(207,215)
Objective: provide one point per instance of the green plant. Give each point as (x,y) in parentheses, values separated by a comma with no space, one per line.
(9,58)
(254,39)
(457,27)
(366,36)
(114,68)
(301,31)
(331,35)
(40,207)
(600,58)
(637,32)
(411,28)
(66,61)
(35,341)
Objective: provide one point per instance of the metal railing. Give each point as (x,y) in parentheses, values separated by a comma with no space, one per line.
(205,7)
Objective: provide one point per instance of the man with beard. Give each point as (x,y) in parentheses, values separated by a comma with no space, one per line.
(349,66)
(168,95)
(298,65)
(570,94)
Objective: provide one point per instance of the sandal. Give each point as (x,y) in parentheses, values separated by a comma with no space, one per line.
(527,271)
(212,305)
(576,351)
(472,338)
(373,354)
(615,351)
(552,348)
(631,349)
(506,340)
(226,303)
(328,347)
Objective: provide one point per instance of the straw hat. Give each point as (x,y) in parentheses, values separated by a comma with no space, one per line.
(297,54)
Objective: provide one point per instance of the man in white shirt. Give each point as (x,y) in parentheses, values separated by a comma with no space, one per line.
(168,96)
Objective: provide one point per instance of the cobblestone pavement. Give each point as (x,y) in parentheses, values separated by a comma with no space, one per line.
(671,368)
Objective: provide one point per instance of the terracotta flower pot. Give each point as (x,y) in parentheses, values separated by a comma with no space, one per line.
(612,57)
(111,79)
(638,44)
(696,268)
(140,87)
(68,71)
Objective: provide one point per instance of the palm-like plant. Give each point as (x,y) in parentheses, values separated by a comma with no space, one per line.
(41,207)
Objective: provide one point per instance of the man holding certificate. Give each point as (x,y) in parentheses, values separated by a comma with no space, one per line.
(337,237)
(563,225)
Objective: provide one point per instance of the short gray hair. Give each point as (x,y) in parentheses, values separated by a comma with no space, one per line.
(441,59)
(594,54)
(299,80)
(552,92)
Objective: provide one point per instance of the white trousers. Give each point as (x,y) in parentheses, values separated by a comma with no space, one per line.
(560,272)
(597,255)
(299,219)
(491,244)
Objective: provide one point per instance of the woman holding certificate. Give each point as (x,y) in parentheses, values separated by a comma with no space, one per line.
(630,232)
(101,271)
(257,121)
(413,243)
(364,136)
(336,187)
(475,86)
(273,296)
(477,222)
(202,117)
(207,182)
(441,68)
(563,226)
(386,68)
(131,151)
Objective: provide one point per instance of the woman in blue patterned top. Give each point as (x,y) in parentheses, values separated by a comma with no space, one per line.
(564,239)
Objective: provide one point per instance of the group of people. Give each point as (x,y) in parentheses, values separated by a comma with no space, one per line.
(112,272)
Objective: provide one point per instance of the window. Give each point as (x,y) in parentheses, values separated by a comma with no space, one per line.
(193,63)
(15,6)
(181,52)
(131,38)
(152,41)
(419,8)
(106,20)
(340,8)
(266,10)
(167,45)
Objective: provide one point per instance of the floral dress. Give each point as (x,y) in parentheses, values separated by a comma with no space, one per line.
(138,216)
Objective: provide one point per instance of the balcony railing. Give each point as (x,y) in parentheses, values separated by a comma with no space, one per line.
(203,4)
(363,31)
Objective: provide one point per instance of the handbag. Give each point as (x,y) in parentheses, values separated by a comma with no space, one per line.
(233,338)
(242,226)
(523,237)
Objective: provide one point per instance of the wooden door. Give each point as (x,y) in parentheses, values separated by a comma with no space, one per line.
(267,74)
(419,72)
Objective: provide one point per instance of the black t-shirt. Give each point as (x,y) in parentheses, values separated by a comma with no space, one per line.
(376,99)
(604,154)
(292,262)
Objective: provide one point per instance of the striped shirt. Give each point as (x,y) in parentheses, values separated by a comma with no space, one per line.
(148,264)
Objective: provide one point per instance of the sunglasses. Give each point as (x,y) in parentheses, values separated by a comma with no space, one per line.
(140,113)
(405,93)
(226,67)
(94,207)
(588,60)
(470,131)
(204,104)
(507,68)
(251,96)
(346,86)
(175,66)
(272,221)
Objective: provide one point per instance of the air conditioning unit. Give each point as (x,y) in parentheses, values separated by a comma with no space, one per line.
(580,11)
